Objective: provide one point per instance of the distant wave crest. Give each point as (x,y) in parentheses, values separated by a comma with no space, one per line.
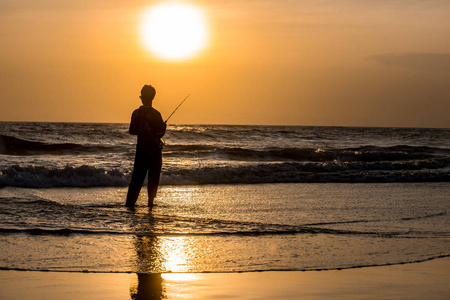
(363,154)
(10,145)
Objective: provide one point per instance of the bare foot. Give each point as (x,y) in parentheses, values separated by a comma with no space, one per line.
(129,206)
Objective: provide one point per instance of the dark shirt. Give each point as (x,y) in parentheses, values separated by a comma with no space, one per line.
(148,125)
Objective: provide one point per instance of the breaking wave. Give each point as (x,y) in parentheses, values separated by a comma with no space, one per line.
(287,172)
(281,231)
(43,177)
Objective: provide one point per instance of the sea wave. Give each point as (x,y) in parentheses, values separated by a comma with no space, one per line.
(310,173)
(10,145)
(362,154)
(282,230)
(287,172)
(212,149)
(43,177)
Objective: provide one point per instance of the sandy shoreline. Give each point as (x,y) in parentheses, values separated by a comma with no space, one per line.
(426,280)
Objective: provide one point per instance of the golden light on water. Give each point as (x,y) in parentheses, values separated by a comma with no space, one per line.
(179,276)
(175,253)
(174,31)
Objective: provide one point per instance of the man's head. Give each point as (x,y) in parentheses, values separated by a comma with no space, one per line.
(147,94)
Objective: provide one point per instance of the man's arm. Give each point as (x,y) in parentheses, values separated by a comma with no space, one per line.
(161,128)
(134,124)
(162,131)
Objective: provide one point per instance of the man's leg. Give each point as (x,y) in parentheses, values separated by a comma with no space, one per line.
(137,178)
(154,172)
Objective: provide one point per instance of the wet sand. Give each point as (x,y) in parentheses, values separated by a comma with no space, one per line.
(426,280)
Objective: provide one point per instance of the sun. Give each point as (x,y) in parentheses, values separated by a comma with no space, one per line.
(174,31)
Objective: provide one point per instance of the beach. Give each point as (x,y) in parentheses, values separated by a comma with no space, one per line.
(170,254)
(425,280)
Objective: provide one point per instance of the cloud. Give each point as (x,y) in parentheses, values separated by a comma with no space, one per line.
(428,62)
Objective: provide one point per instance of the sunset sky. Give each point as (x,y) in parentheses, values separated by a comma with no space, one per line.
(286,62)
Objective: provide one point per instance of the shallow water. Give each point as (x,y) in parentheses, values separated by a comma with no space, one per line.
(224,228)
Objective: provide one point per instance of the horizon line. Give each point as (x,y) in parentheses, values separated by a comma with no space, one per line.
(219,124)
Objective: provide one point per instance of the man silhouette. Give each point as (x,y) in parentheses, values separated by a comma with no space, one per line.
(148,125)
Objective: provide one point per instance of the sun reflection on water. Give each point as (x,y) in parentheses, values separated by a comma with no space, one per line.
(175,254)
(179,276)
(164,243)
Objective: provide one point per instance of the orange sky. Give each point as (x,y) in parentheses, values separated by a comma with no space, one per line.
(293,62)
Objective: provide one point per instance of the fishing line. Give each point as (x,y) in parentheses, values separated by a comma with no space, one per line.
(177,108)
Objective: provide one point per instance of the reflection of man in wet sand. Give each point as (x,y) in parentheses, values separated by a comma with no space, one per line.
(149,287)
(148,125)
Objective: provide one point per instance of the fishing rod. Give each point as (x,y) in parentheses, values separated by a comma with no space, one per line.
(161,140)
(177,108)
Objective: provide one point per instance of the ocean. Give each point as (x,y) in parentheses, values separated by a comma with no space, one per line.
(232,198)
